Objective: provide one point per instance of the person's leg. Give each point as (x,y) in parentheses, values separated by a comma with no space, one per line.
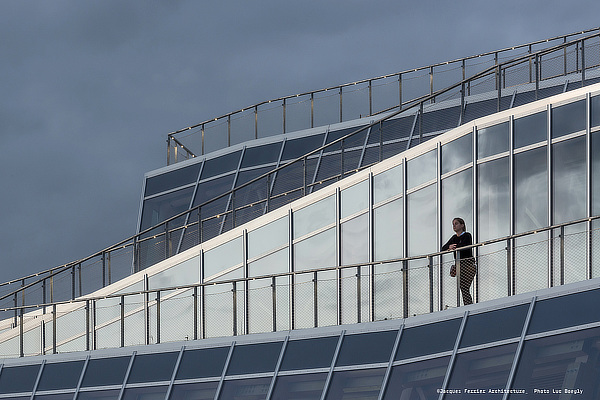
(467,274)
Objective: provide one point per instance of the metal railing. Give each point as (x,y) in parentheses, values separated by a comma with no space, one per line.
(314,170)
(336,295)
(363,98)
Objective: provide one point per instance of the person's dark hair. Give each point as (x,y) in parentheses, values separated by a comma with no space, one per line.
(462,222)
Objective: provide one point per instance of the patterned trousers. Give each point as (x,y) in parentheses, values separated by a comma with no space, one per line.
(466,276)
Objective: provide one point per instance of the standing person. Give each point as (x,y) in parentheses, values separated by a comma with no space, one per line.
(467,265)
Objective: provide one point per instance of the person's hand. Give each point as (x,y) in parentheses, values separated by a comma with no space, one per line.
(452,247)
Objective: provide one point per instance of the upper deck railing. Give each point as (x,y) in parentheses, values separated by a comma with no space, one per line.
(368,97)
(196,225)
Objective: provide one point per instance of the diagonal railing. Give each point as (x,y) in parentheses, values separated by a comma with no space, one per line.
(314,170)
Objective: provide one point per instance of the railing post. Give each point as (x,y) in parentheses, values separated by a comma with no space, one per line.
(400,90)
(103,269)
(509,268)
(341,120)
(315,300)
(537,75)
(274,292)
(562,255)
(430,267)
(54,328)
(342,159)
(21,333)
(405,288)
(431,84)
(195,297)
(87,325)
(255,122)
(158,316)
(122,320)
(312,110)
(457,266)
(370,97)
(16,304)
(358,296)
(79,281)
(72,282)
(582,63)
(234,290)
(284,112)
(94,332)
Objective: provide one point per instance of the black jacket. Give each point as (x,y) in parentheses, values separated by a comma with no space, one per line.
(463,240)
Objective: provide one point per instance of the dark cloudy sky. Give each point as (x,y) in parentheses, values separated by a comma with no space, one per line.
(89,89)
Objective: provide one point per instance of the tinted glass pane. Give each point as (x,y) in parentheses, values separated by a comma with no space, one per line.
(314,216)
(143,393)
(355,198)
(254,358)
(161,208)
(418,380)
(304,386)
(531,187)
(309,353)
(99,395)
(265,154)
(428,339)
(268,237)
(551,367)
(208,190)
(494,325)
(153,367)
(422,216)
(388,230)
(358,384)
(422,169)
(172,179)
(494,199)
(366,348)
(482,373)
(568,118)
(457,153)
(387,184)
(298,147)
(565,311)
(595,111)
(60,396)
(202,363)
(60,375)
(530,129)
(246,389)
(569,186)
(18,379)
(457,192)
(105,371)
(196,391)
(220,165)
(355,240)
(492,140)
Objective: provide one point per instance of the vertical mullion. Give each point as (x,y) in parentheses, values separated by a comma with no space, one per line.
(453,356)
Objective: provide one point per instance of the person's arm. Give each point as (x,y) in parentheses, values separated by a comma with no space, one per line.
(448,243)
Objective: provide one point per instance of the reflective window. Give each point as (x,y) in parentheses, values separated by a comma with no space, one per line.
(196,391)
(355,240)
(531,189)
(457,192)
(491,326)
(246,389)
(565,311)
(421,219)
(428,339)
(355,198)
(161,208)
(530,129)
(417,380)
(457,153)
(568,118)
(208,190)
(105,371)
(220,165)
(304,386)
(316,251)
(309,353)
(595,110)
(558,365)
(172,179)
(223,257)
(387,184)
(357,384)
(298,147)
(388,224)
(254,358)
(492,140)
(494,199)
(485,369)
(569,180)
(274,263)
(18,379)
(60,375)
(185,273)
(422,169)
(366,348)
(258,155)
(267,237)
(202,363)
(58,396)
(152,367)
(148,392)
(314,216)
(99,395)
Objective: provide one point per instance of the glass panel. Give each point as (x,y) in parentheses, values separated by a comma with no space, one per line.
(564,311)
(309,353)
(418,380)
(457,192)
(185,273)
(388,228)
(422,217)
(99,395)
(355,240)
(494,199)
(595,154)
(105,371)
(259,155)
(272,264)
(304,386)
(172,179)
(254,358)
(161,208)
(492,140)
(202,363)
(145,393)
(417,341)
(246,389)
(196,391)
(314,216)
(176,315)
(60,396)
(558,366)
(387,184)
(298,147)
(304,299)
(595,110)
(316,251)
(268,237)
(355,198)
(482,373)
(60,375)
(531,190)
(492,326)
(492,271)
(220,165)
(531,262)
(366,348)
(223,257)
(208,190)
(530,129)
(388,294)
(457,153)
(575,260)
(422,169)
(357,384)
(569,185)
(568,118)
(218,308)
(153,367)
(18,379)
